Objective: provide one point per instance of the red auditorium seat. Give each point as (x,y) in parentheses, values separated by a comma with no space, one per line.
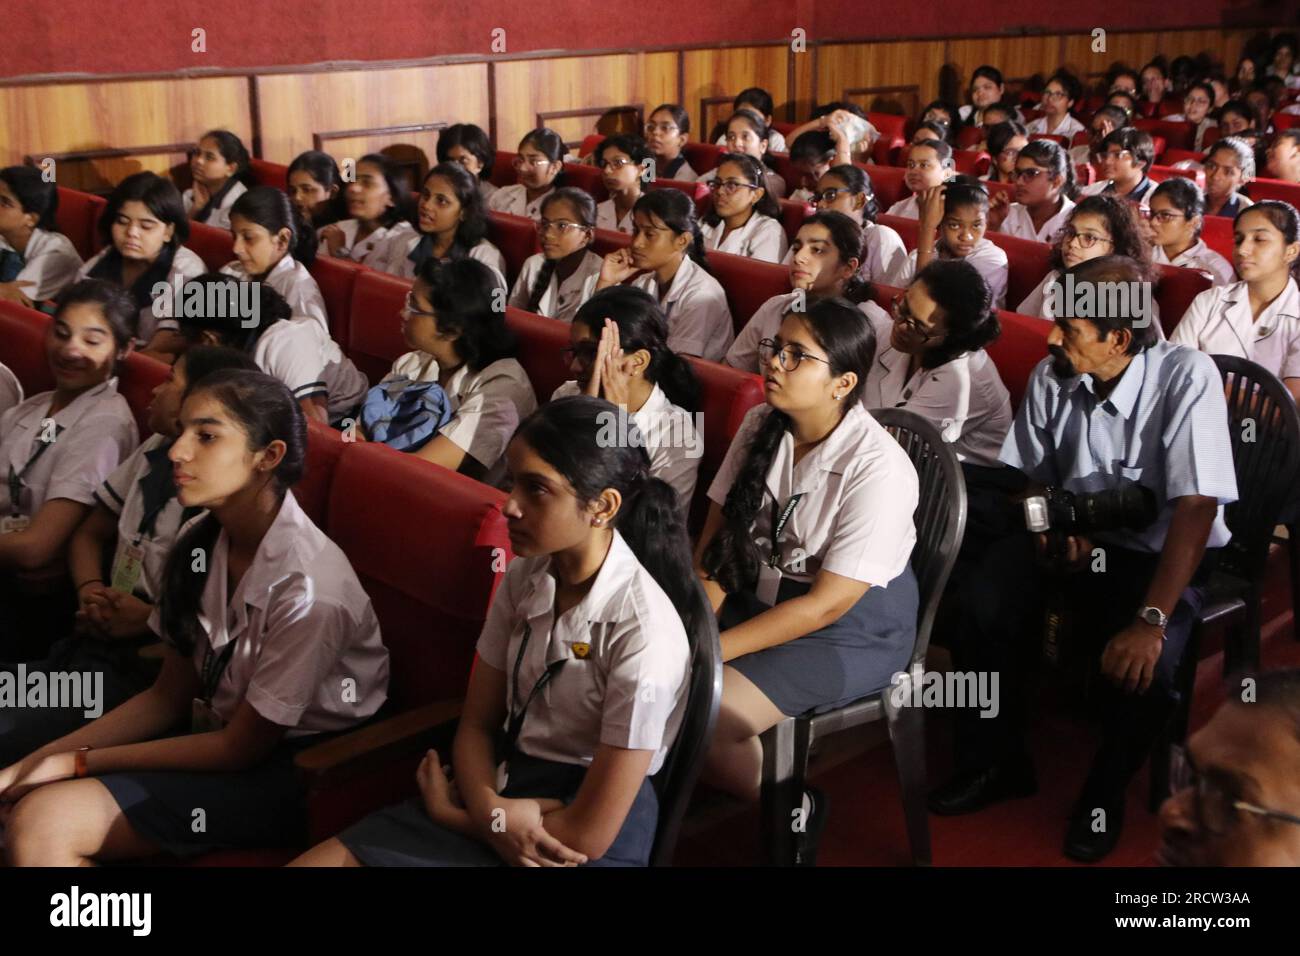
(1027,263)
(786,170)
(375,324)
(1212,135)
(589,144)
(971,163)
(1217,233)
(605,241)
(893,133)
(793,213)
(1177,135)
(22,346)
(503,169)
(702,157)
(1020,347)
(785,129)
(77,217)
(970,136)
(1172,156)
(541,350)
(516,237)
(748,283)
(336,278)
(726,394)
(1008,188)
(587,178)
(325,447)
(1177,288)
(269,174)
(214,246)
(699,192)
(906,228)
(140,376)
(1274,189)
(886,183)
(1160,173)
(1283,121)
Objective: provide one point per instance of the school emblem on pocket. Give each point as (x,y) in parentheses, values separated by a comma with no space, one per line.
(580,649)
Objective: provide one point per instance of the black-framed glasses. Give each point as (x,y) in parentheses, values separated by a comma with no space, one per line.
(668,128)
(616,163)
(828,195)
(730,185)
(1216,808)
(1028,174)
(1086,239)
(902,314)
(410,306)
(1166,216)
(789,356)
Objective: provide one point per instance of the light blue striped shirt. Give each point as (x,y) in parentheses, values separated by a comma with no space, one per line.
(1164,426)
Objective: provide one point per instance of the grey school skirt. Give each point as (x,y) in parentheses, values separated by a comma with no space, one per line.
(403,834)
(844,661)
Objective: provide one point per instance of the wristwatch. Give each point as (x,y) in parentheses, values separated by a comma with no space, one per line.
(1155,617)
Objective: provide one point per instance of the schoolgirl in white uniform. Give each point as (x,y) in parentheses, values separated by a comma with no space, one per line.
(136,517)
(1044,185)
(1125,156)
(461,342)
(452,224)
(958,214)
(581,680)
(1198,101)
(539,167)
(745,219)
(1257,318)
(555,281)
(379,206)
(666,259)
(1177,208)
(929,164)
(758,101)
(986,89)
(274,246)
(55,449)
(315,187)
(621,160)
(823,265)
(143,229)
(468,146)
(847,190)
(258,644)
(619,352)
(1059,97)
(11,390)
(748,135)
(667,130)
(220,169)
(37,262)
(930,359)
(1229,166)
(809,568)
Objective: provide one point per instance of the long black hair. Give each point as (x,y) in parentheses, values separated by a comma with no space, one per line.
(33,193)
(966,304)
(267,411)
(473,140)
(473,225)
(641,325)
(401,207)
(220,309)
(271,209)
(755,174)
(731,558)
(856,181)
(566,434)
(462,293)
(162,199)
(585,207)
(1051,156)
(675,210)
(1128,237)
(323,170)
(846,236)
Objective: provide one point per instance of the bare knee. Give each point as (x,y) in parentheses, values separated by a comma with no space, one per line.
(38,833)
(330,853)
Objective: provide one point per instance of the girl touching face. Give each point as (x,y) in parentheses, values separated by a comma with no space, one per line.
(654,243)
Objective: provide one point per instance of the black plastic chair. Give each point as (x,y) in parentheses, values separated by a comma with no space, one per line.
(676,779)
(1264,427)
(940,523)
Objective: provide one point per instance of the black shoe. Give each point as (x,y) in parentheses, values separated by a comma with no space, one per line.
(805,847)
(976,789)
(1085,843)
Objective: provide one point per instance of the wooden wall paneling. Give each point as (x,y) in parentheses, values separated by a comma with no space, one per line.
(803,97)
(295,107)
(1017,57)
(712,79)
(896,77)
(574,87)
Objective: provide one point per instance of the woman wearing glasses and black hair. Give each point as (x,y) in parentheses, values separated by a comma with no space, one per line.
(539,166)
(745,219)
(805,552)
(666,133)
(1125,157)
(621,161)
(561,277)
(1059,96)
(846,189)
(1198,103)
(1005,141)
(1177,214)
(1044,188)
(930,359)
(748,135)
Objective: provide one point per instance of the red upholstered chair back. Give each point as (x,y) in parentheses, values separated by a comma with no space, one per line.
(1177,288)
(971,163)
(1171,156)
(793,214)
(375,325)
(887,183)
(699,192)
(605,241)
(541,350)
(1160,173)
(1027,263)
(587,178)
(140,375)
(748,283)
(1020,347)
(1217,233)
(1179,135)
(269,174)
(516,237)
(325,447)
(77,217)
(22,346)
(503,169)
(216,247)
(726,394)
(702,157)
(336,278)
(1274,189)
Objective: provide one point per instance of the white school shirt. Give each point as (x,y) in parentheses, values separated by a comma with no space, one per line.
(683,174)
(765,323)
(399,264)
(1039,303)
(486,406)
(514,200)
(761,237)
(50,263)
(988,259)
(186,265)
(11,390)
(671,439)
(883,253)
(301,354)
(964,398)
(1103,187)
(607,218)
(1219,321)
(907,208)
(91,436)
(1200,257)
(486,188)
(121,493)
(296,285)
(218,218)
(855,517)
(304,629)
(1021,225)
(1067,127)
(772,180)
(627,658)
(699,319)
(560,300)
(371,251)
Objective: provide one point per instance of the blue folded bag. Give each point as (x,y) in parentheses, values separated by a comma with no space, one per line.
(403,414)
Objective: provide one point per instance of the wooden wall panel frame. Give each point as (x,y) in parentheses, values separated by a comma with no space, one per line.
(544,117)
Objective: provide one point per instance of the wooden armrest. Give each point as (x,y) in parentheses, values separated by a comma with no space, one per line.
(379,743)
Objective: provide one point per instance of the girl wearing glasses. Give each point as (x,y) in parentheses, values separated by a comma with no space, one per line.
(928,164)
(824,264)
(1005,141)
(600,608)
(747,135)
(666,133)
(1257,318)
(954,218)
(846,189)
(561,277)
(620,160)
(1059,97)
(745,219)
(1229,166)
(378,204)
(758,101)
(1044,188)
(805,551)
(1177,208)
(1124,157)
(539,167)
(668,251)
(468,145)
(618,351)
(452,225)
(219,167)
(1197,105)
(930,359)
(315,187)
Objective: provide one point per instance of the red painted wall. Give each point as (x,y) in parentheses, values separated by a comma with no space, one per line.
(149,36)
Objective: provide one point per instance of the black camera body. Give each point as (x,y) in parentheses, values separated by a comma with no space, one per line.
(1059,513)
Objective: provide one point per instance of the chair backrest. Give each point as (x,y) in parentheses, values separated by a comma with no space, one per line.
(1172,156)
(1027,262)
(77,217)
(793,213)
(886,183)
(702,157)
(1274,189)
(587,178)
(336,278)
(726,394)
(1159,174)
(698,192)
(503,169)
(375,324)
(516,237)
(1217,233)
(541,350)
(971,163)
(325,446)
(216,247)
(1177,288)
(1018,350)
(1264,428)
(589,144)
(940,516)
(1063,141)
(22,346)
(748,283)
(970,136)
(1177,135)
(269,174)
(139,376)
(605,241)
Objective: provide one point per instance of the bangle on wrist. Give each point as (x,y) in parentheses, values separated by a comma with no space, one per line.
(89,581)
(79,762)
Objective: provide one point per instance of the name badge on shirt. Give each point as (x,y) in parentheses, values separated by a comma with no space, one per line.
(203,718)
(12,523)
(127,571)
(769,581)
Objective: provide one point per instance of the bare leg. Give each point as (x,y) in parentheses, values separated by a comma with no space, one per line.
(735,759)
(330,853)
(71,823)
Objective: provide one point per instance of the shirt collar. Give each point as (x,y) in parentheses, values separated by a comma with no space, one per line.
(269,565)
(1124,396)
(657,404)
(1286,305)
(603,603)
(683,278)
(827,458)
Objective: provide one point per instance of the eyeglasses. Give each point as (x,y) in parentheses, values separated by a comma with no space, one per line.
(410,306)
(1198,101)
(1028,174)
(828,195)
(1211,167)
(651,128)
(902,314)
(1055,95)
(1166,216)
(537,162)
(789,356)
(1216,809)
(1086,239)
(1009,153)
(614,164)
(1103,155)
(562,226)
(730,186)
